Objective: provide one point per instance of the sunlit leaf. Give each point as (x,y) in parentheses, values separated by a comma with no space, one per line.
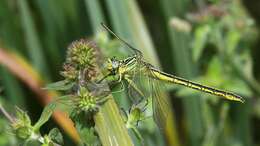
(200,40)
(88,136)
(60,85)
(214,71)
(232,40)
(46,114)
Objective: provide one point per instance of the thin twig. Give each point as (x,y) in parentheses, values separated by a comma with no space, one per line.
(6,114)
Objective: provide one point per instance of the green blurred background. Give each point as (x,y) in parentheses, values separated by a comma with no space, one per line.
(214,42)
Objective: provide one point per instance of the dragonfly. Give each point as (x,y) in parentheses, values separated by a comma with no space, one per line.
(126,69)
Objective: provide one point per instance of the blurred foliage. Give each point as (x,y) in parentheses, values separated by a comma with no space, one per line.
(213,42)
(21,127)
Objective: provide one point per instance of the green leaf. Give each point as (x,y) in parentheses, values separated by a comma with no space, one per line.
(95,13)
(88,136)
(200,40)
(60,85)
(84,124)
(232,40)
(214,71)
(56,136)
(31,142)
(32,39)
(46,114)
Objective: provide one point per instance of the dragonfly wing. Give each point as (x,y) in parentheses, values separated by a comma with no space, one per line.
(161,106)
(137,87)
(133,92)
(150,87)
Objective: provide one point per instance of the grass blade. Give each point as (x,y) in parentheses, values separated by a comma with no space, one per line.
(95,13)
(32,40)
(184,67)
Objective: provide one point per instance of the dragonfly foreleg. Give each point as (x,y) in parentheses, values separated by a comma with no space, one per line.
(131,83)
(119,77)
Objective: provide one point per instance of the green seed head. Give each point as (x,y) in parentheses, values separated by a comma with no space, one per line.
(86,101)
(81,61)
(23,132)
(22,125)
(81,53)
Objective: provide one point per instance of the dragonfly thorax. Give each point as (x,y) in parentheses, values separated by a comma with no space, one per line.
(115,65)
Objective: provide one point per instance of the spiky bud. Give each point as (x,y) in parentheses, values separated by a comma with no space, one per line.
(81,53)
(81,61)
(22,125)
(86,101)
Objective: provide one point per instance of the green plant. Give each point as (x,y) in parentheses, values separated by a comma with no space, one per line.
(213,42)
(28,133)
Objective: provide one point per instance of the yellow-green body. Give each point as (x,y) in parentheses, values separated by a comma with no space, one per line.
(180,81)
(129,67)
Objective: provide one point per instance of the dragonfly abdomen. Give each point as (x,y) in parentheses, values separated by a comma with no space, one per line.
(177,80)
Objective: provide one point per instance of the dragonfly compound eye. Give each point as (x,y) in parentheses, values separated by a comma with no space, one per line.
(115,64)
(112,65)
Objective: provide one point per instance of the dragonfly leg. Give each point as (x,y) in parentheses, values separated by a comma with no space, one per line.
(122,88)
(120,78)
(145,105)
(131,83)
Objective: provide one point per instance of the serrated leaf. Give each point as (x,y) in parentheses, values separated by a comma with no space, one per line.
(46,114)
(60,85)
(84,125)
(88,136)
(56,136)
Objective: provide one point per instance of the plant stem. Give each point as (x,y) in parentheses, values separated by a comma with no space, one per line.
(110,126)
(6,114)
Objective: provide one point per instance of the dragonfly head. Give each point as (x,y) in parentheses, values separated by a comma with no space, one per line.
(113,65)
